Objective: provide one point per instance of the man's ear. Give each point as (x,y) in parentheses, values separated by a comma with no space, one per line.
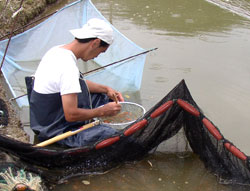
(96,43)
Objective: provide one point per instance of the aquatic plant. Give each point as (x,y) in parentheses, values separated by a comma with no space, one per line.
(10,181)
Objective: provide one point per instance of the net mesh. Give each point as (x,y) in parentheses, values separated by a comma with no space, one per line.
(128,114)
(174,112)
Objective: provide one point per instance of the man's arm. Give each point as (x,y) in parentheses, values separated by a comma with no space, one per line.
(98,88)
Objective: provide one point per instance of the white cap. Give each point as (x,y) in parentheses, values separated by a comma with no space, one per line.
(95,28)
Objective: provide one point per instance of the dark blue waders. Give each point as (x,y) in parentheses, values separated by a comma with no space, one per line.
(47,117)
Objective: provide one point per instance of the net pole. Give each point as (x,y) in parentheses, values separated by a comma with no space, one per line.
(120,61)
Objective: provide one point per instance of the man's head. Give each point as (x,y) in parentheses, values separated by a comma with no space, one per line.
(97,35)
(95,28)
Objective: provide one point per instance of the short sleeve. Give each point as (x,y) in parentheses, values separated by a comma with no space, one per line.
(69,79)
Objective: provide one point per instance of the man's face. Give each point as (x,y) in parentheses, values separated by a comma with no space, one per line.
(95,50)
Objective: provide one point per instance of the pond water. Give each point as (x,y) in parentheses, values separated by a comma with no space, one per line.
(200,42)
(207,44)
(159,172)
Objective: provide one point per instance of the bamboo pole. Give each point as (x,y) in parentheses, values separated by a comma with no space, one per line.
(67,134)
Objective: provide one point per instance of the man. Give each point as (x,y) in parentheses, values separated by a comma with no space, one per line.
(60,101)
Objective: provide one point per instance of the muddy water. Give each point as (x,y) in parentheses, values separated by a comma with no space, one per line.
(200,42)
(207,44)
(160,172)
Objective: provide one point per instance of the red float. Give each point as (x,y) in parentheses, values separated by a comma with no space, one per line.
(20,187)
(212,129)
(107,142)
(135,127)
(161,109)
(189,108)
(235,151)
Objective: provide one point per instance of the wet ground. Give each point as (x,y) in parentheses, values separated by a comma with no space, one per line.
(13,127)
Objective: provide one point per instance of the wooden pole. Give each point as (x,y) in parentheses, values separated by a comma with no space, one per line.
(67,134)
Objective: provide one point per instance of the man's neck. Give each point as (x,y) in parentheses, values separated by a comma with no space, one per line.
(77,48)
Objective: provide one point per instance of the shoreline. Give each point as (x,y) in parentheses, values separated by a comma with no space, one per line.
(30,11)
(14,128)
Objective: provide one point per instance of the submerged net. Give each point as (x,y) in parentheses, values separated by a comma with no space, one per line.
(175,111)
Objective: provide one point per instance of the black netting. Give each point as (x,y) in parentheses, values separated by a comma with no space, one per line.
(175,111)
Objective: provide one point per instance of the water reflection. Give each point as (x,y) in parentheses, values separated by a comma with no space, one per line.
(159,172)
(185,18)
(240,7)
(211,55)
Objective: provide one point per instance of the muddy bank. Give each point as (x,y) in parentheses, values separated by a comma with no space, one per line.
(31,10)
(13,128)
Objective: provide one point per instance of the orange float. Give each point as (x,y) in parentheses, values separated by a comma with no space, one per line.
(235,151)
(107,142)
(212,129)
(164,107)
(135,127)
(189,108)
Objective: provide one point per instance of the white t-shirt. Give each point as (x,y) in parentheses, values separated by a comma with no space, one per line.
(57,72)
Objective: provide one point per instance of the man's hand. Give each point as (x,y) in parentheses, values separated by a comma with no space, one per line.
(114,95)
(109,109)
(98,88)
